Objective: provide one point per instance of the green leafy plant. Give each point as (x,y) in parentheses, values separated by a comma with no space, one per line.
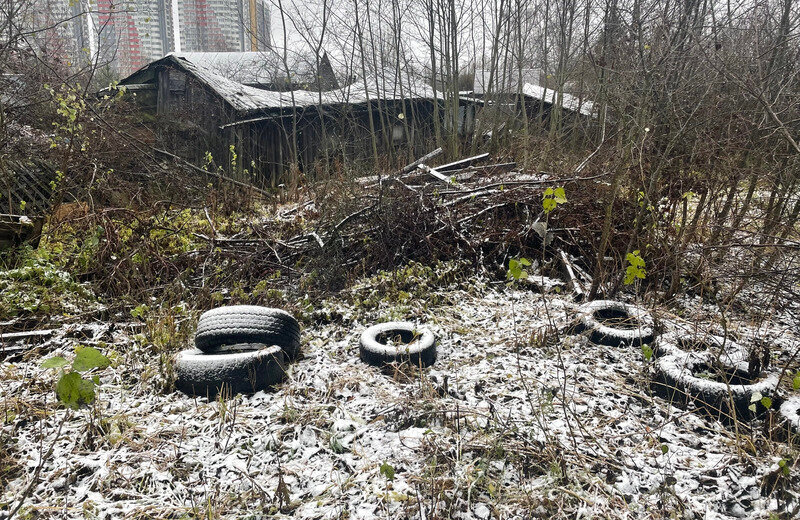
(796,381)
(387,471)
(516,269)
(784,465)
(552,197)
(647,351)
(72,388)
(756,398)
(636,267)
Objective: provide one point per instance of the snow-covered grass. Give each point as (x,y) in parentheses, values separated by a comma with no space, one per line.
(515,420)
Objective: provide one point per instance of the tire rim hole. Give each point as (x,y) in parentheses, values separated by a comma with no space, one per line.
(617,318)
(728,375)
(696,345)
(396,337)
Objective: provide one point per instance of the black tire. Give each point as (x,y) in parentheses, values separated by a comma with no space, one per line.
(677,379)
(683,342)
(633,325)
(419,346)
(241,372)
(790,415)
(238,324)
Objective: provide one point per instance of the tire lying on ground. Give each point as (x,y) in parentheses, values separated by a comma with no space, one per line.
(790,415)
(683,342)
(379,344)
(614,323)
(719,384)
(238,324)
(244,368)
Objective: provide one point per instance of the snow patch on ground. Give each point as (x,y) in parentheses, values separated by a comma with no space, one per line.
(514,420)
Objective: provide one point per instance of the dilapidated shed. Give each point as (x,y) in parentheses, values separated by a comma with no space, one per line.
(261,133)
(511,93)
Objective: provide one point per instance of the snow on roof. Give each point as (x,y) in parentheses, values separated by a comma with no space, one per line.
(568,101)
(248,100)
(507,80)
(253,68)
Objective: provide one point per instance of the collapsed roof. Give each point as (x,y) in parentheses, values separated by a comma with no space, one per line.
(504,81)
(526,82)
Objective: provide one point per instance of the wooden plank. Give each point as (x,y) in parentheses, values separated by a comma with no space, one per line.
(425,158)
(491,168)
(364,181)
(573,279)
(162,103)
(461,163)
(16,336)
(436,175)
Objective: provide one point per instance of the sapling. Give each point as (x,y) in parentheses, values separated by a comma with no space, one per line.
(72,388)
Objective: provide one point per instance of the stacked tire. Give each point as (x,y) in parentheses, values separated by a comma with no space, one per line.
(238,349)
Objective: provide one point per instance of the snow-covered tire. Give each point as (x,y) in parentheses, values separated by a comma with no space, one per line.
(682,342)
(677,379)
(790,415)
(418,348)
(245,371)
(594,318)
(237,324)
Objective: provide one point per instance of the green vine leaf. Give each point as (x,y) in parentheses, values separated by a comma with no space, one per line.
(387,471)
(552,197)
(54,362)
(88,358)
(515,269)
(73,390)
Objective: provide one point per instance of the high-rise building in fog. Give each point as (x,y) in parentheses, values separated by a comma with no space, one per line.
(56,29)
(128,34)
(224,25)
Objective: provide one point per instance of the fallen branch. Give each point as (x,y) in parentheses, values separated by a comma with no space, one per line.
(16,336)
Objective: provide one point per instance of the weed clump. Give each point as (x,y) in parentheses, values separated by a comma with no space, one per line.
(413,282)
(39,288)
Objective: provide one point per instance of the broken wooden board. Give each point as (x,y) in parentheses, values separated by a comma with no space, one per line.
(364,181)
(462,163)
(576,285)
(16,336)
(436,175)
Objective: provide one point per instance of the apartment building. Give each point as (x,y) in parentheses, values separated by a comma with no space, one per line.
(224,25)
(129,34)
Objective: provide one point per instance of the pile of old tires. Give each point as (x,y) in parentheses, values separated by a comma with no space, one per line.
(713,373)
(238,349)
